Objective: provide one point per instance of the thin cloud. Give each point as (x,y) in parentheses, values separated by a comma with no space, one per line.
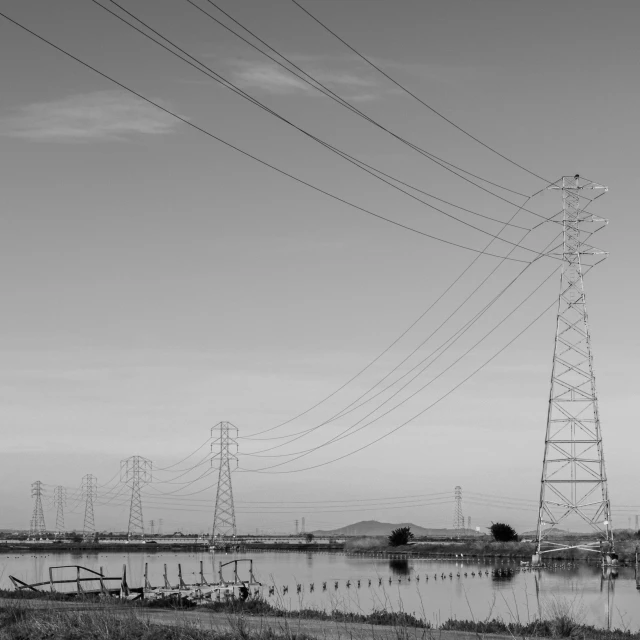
(274,79)
(96,116)
(269,78)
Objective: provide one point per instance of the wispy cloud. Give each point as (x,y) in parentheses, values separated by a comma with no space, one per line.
(100,115)
(271,78)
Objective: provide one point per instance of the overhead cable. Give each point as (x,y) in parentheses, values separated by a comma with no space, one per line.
(414,96)
(196,127)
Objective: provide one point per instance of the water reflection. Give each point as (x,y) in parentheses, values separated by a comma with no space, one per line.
(442,587)
(399,567)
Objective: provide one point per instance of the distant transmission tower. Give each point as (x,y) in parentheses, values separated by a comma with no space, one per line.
(469,522)
(89,493)
(224,515)
(297,527)
(302,530)
(152,526)
(574,480)
(160,523)
(458,517)
(59,502)
(37,526)
(135,472)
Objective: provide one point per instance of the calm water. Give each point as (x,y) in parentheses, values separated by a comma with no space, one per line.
(523,596)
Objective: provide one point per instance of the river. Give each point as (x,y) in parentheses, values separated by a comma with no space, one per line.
(415,585)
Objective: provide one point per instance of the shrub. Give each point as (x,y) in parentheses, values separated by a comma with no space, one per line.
(502,532)
(400,536)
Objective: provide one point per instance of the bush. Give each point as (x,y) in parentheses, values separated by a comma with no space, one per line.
(400,536)
(503,532)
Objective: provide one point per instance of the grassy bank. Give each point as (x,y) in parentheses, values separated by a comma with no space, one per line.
(561,627)
(108,622)
(253,607)
(21,623)
(625,548)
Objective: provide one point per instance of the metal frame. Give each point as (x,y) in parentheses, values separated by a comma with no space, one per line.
(574,480)
(224,515)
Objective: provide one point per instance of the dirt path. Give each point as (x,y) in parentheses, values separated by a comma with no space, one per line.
(322,629)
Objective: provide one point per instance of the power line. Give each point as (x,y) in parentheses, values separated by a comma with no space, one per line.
(351,159)
(175,464)
(304,432)
(443,348)
(346,433)
(229,85)
(417,415)
(319,86)
(246,153)
(414,96)
(387,349)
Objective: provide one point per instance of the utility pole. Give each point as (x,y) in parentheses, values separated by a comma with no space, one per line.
(37,526)
(458,516)
(89,493)
(224,515)
(135,472)
(59,502)
(574,481)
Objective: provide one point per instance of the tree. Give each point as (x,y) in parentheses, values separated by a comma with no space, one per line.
(503,532)
(400,536)
(309,537)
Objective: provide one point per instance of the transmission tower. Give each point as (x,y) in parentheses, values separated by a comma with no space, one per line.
(135,472)
(458,517)
(89,493)
(224,515)
(302,529)
(297,527)
(37,526)
(160,523)
(574,480)
(59,502)
(152,525)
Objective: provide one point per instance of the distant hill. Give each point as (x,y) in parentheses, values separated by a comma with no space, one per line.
(375,528)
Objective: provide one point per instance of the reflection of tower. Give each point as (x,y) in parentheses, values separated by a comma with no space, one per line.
(302,531)
(458,517)
(224,515)
(574,482)
(89,493)
(135,472)
(59,502)
(37,526)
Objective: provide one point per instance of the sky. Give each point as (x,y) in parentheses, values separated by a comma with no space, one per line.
(157,281)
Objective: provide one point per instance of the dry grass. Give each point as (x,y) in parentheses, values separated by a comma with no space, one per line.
(20,622)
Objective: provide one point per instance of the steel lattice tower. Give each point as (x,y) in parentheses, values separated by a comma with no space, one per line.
(89,493)
(135,472)
(59,502)
(37,525)
(458,516)
(574,481)
(224,515)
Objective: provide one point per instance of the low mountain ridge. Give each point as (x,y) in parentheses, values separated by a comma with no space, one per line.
(375,528)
